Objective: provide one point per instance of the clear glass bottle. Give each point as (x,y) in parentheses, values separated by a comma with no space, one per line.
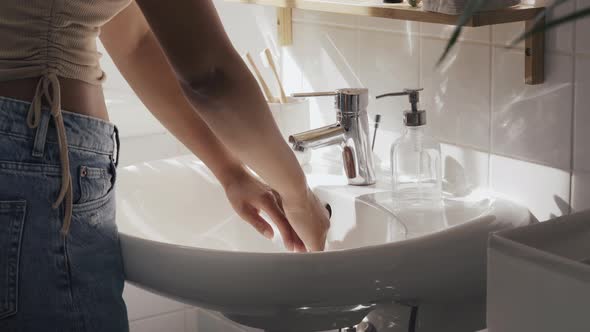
(415,158)
(416,167)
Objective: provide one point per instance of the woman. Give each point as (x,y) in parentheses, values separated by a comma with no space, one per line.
(60,265)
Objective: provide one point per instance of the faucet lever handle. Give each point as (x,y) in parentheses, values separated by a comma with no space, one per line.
(314,94)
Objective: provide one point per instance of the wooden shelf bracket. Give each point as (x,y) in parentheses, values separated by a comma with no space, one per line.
(285,26)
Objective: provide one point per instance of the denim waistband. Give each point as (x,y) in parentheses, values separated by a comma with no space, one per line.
(82,132)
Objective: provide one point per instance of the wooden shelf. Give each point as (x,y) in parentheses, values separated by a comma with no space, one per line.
(535,46)
(401,11)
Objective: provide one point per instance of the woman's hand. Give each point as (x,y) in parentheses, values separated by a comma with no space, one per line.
(309,218)
(249,196)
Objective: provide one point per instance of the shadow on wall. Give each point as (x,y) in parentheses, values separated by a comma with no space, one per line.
(533,123)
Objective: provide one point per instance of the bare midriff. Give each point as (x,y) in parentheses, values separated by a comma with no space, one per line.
(76,96)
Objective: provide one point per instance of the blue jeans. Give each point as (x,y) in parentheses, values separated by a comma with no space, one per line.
(50,282)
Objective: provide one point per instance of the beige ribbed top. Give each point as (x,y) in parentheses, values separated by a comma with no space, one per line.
(53,36)
(51,39)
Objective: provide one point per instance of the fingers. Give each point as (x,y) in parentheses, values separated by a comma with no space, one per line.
(251,216)
(319,246)
(271,206)
(298,244)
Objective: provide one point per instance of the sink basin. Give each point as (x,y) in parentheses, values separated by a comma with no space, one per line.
(181,239)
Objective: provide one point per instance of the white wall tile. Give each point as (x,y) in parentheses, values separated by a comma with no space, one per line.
(173,322)
(250,28)
(580,191)
(544,190)
(330,61)
(142,304)
(582,115)
(562,37)
(457,94)
(293,60)
(382,150)
(582,30)
(388,63)
(558,39)
(330,56)
(480,34)
(504,34)
(532,122)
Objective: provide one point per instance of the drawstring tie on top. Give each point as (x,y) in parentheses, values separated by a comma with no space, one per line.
(50,88)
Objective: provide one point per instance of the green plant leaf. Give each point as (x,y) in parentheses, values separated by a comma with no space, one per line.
(552,24)
(549,9)
(473,6)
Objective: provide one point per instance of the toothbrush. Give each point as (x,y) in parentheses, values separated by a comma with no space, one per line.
(268,61)
(377,120)
(265,89)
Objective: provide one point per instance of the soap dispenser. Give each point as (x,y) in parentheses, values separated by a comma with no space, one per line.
(415,157)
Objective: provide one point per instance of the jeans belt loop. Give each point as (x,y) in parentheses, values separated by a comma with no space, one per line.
(41,135)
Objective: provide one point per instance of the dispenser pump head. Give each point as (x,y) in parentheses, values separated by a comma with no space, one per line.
(413,117)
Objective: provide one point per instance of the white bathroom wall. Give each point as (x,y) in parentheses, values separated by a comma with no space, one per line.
(527,142)
(476,101)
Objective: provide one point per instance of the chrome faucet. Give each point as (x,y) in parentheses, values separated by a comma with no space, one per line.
(351,132)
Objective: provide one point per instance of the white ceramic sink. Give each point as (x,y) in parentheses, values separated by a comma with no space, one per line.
(180,238)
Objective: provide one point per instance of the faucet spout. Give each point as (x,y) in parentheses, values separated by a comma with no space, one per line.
(317,138)
(351,132)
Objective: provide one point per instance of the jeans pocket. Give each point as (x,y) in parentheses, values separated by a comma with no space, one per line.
(95,183)
(12,218)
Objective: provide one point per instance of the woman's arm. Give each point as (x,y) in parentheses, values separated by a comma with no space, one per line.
(139,57)
(217,82)
(218,85)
